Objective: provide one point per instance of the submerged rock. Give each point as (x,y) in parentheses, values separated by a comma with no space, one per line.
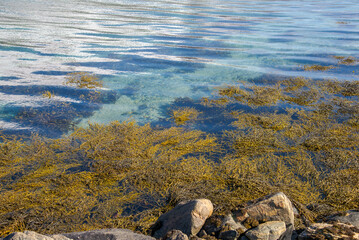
(188,217)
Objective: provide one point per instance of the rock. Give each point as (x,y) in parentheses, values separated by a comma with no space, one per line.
(289,233)
(59,237)
(229,235)
(233,225)
(272,230)
(213,225)
(175,235)
(320,210)
(201,233)
(112,234)
(349,217)
(329,231)
(30,235)
(188,217)
(275,207)
(196,238)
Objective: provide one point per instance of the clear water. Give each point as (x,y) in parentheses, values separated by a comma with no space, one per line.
(148,53)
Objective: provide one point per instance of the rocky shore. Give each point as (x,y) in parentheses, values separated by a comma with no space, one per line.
(269,218)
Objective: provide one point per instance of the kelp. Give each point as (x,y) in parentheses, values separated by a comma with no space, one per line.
(298,136)
(184,115)
(83,80)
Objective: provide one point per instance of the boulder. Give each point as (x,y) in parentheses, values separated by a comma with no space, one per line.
(274,207)
(329,231)
(30,235)
(271,230)
(349,217)
(113,234)
(188,217)
(59,237)
(175,235)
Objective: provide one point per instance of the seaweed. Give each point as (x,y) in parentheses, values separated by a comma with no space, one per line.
(305,144)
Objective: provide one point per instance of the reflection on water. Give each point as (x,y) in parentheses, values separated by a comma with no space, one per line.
(149,53)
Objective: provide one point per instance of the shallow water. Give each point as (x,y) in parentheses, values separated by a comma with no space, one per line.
(148,53)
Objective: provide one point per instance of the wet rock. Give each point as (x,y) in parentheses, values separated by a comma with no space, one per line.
(175,235)
(348,217)
(272,230)
(112,234)
(329,231)
(30,235)
(274,207)
(188,217)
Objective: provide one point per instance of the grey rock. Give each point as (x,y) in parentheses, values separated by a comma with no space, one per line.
(329,231)
(233,225)
(188,217)
(107,234)
(30,235)
(229,235)
(175,235)
(274,207)
(59,237)
(272,230)
(349,217)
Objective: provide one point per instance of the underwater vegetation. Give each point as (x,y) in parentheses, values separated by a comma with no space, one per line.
(182,115)
(317,67)
(342,60)
(346,60)
(56,116)
(122,175)
(83,80)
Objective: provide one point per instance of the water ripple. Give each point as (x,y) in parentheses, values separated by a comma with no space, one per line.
(150,52)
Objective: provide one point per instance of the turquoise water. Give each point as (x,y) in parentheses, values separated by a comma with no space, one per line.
(149,53)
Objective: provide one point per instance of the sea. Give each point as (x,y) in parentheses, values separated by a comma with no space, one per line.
(151,54)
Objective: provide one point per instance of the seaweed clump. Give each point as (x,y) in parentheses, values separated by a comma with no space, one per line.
(317,67)
(183,115)
(83,80)
(346,60)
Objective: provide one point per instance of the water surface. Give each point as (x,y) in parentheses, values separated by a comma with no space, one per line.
(148,53)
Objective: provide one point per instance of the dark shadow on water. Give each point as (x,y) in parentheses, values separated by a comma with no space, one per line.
(54,117)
